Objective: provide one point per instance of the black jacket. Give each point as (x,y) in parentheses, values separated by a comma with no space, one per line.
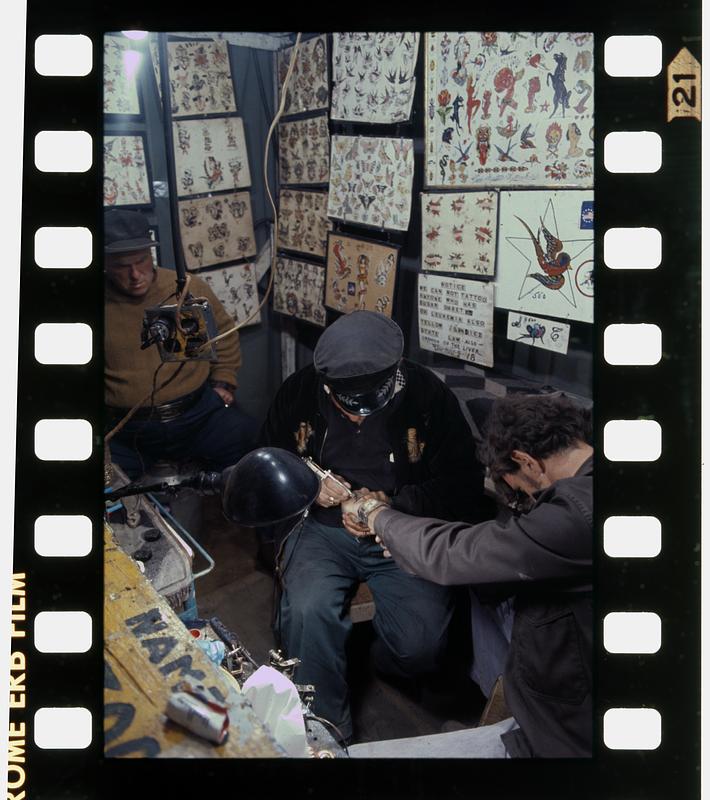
(545,555)
(436,470)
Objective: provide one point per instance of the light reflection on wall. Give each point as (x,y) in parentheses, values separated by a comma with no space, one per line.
(131,62)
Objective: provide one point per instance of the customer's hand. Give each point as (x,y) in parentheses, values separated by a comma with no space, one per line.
(366,494)
(352,526)
(331,494)
(350,507)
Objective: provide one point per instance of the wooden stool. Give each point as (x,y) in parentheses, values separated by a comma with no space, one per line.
(362,606)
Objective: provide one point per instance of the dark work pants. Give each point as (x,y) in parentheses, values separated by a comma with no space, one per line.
(323,566)
(207,432)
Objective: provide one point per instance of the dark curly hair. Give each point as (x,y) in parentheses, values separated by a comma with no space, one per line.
(537,424)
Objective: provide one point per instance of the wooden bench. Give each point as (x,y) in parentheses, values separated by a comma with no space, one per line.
(362,606)
(496,708)
(147,651)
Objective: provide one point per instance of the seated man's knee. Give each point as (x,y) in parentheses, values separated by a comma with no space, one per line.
(409,655)
(308,603)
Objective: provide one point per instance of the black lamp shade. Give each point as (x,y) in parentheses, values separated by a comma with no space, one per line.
(267,486)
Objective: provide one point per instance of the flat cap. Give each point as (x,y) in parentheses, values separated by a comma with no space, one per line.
(357,350)
(126,231)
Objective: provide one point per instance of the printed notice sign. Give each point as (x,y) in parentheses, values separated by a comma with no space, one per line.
(539,332)
(456,318)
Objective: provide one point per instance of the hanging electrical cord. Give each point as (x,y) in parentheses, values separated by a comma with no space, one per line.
(150,396)
(274,123)
(327,723)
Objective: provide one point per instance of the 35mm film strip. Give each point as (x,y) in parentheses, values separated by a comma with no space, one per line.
(647,483)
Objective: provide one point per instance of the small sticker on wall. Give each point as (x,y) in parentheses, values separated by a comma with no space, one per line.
(539,332)
(586,217)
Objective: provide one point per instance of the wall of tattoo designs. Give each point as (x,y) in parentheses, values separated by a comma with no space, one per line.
(502,134)
(209,160)
(447,173)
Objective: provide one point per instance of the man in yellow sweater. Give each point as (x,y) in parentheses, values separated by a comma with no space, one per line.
(187,410)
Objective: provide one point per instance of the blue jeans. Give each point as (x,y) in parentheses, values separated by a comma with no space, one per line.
(322,567)
(491,630)
(207,432)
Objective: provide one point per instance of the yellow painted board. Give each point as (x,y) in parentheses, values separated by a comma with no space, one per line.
(147,652)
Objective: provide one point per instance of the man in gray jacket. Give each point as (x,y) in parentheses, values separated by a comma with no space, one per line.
(537,446)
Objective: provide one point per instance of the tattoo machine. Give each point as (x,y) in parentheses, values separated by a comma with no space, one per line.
(326,473)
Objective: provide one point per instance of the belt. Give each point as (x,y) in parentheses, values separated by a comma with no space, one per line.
(166,412)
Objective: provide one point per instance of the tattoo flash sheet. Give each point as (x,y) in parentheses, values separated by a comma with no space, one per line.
(308,87)
(200,78)
(121,65)
(126,172)
(210,155)
(548,334)
(303,224)
(459,232)
(216,229)
(371,181)
(373,76)
(235,288)
(304,150)
(509,108)
(456,318)
(546,254)
(360,275)
(298,290)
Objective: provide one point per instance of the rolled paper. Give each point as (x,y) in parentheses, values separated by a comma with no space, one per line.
(201,715)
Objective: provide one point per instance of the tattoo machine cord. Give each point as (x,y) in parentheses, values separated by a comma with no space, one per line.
(279,573)
(329,724)
(150,396)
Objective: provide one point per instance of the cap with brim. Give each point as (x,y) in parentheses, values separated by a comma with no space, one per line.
(357,358)
(357,347)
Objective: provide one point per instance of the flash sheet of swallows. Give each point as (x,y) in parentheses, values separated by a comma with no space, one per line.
(373,76)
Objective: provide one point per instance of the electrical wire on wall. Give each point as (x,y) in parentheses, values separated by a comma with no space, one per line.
(274,123)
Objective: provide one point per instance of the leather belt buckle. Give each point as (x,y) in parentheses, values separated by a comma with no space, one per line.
(169,414)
